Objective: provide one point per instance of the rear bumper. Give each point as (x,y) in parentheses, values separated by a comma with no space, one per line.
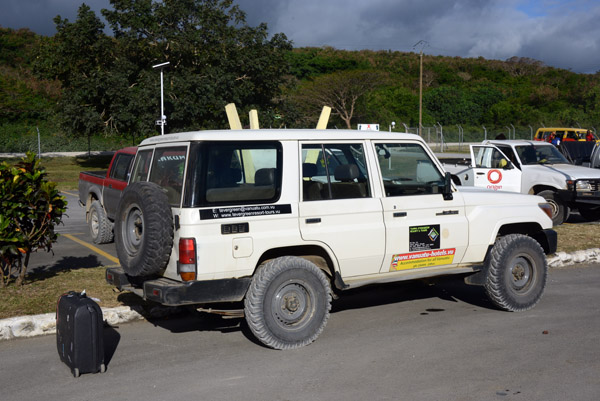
(174,293)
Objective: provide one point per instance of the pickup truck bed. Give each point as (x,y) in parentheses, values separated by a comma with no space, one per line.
(100,192)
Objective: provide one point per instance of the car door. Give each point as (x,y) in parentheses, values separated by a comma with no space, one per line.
(423,229)
(492,169)
(116,182)
(338,208)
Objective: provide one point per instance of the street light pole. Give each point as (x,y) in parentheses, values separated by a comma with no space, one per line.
(163,119)
(422,43)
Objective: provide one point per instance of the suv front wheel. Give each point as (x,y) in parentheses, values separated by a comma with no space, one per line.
(516,273)
(288,303)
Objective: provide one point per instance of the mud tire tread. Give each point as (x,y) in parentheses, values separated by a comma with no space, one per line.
(254,302)
(156,245)
(105,227)
(498,267)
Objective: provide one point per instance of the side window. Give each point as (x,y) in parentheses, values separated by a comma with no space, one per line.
(488,157)
(334,171)
(120,167)
(508,151)
(243,172)
(141,166)
(167,171)
(406,169)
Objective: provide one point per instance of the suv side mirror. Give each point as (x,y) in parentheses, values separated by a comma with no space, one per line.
(447,191)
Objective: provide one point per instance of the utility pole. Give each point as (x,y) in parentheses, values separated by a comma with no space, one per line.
(422,44)
(163,119)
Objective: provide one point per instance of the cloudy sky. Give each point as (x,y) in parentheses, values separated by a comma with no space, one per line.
(561,33)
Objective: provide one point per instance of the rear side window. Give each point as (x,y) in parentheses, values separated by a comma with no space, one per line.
(230,173)
(167,171)
(334,171)
(141,167)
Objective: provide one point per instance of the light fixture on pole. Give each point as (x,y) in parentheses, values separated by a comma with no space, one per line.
(163,119)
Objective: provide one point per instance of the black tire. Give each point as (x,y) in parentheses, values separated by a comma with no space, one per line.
(516,273)
(143,229)
(590,213)
(288,303)
(560,212)
(101,229)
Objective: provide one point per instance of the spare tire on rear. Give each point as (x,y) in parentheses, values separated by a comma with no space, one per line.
(143,229)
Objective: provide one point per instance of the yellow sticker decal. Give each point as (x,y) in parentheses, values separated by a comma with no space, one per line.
(416,260)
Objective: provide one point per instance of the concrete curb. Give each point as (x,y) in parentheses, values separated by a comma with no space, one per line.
(37,325)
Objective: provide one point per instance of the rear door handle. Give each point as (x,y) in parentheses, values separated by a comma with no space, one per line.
(399,214)
(313,221)
(480,173)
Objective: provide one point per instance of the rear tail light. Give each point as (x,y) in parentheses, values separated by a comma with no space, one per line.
(187,259)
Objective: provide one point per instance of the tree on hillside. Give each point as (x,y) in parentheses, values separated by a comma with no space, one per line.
(80,56)
(215,58)
(342,91)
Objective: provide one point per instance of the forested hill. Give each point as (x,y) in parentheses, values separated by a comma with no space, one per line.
(36,86)
(472,91)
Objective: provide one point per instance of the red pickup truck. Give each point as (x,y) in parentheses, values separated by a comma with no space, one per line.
(100,192)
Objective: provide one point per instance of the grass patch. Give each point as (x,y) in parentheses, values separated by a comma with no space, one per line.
(40,292)
(65,170)
(575,237)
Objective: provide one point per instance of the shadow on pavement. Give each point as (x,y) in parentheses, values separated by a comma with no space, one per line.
(111,341)
(66,263)
(449,288)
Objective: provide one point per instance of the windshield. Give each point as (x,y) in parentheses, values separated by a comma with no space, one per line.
(540,154)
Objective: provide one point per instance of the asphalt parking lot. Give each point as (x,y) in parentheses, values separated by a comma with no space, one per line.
(74,248)
(412,340)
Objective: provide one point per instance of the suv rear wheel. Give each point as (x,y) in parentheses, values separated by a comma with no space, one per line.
(288,303)
(101,229)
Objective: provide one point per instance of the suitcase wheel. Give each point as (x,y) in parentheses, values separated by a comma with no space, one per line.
(102,368)
(76,372)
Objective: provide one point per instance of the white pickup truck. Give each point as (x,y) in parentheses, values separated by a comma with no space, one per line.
(272,224)
(532,167)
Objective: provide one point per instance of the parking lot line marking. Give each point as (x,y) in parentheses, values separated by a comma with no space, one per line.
(92,247)
(69,193)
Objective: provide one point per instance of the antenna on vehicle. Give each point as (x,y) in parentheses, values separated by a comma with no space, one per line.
(163,119)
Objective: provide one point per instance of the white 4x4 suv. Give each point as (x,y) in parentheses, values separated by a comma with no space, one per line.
(284,220)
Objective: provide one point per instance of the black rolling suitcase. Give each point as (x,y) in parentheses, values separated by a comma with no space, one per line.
(79,333)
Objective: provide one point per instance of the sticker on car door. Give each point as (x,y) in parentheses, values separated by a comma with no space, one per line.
(417,260)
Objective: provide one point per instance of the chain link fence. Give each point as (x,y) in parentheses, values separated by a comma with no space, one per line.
(441,137)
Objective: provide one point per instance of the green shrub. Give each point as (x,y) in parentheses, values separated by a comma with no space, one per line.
(31,207)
